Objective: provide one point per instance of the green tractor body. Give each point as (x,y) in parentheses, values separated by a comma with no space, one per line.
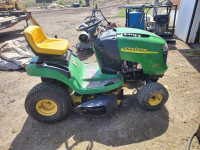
(87,78)
(123,55)
(84,78)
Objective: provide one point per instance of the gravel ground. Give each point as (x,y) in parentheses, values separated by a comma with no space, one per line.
(131,128)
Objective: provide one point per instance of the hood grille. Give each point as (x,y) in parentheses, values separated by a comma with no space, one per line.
(135,35)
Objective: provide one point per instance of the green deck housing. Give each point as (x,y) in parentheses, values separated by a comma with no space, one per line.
(82,75)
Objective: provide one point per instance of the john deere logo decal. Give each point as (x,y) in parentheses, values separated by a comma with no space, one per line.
(137,50)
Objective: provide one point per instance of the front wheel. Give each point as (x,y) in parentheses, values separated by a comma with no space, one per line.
(152,96)
(48,102)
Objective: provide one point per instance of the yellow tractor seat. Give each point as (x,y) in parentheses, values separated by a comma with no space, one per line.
(41,45)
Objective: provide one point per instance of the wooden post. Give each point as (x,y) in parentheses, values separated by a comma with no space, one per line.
(33,21)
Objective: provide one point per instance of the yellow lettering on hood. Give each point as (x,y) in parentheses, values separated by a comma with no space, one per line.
(137,50)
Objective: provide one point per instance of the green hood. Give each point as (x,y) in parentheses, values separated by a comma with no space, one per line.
(153,38)
(143,47)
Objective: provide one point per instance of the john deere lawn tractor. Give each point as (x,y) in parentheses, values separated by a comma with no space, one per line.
(123,55)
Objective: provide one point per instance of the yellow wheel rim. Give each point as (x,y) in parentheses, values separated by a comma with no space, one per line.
(46,107)
(155,99)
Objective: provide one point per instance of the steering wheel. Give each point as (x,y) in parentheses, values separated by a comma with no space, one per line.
(88,24)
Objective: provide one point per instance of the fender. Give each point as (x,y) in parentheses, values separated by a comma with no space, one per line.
(70,75)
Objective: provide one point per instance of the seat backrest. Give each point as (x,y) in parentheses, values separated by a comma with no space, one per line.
(34,35)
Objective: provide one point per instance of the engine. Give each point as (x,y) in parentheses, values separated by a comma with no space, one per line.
(138,54)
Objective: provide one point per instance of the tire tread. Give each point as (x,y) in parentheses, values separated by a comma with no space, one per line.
(53,88)
(148,89)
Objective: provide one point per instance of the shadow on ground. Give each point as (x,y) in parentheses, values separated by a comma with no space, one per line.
(11,35)
(84,54)
(193,60)
(125,126)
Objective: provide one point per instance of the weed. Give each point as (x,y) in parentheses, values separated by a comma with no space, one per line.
(43,3)
(26,5)
(61,2)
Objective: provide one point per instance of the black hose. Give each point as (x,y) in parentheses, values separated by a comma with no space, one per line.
(148,11)
(190,140)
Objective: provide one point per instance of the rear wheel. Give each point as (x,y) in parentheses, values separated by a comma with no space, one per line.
(152,96)
(48,102)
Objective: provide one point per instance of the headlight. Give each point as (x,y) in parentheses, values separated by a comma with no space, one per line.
(165,52)
(165,48)
(84,37)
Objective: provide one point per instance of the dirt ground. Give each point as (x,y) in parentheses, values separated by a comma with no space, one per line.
(127,129)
